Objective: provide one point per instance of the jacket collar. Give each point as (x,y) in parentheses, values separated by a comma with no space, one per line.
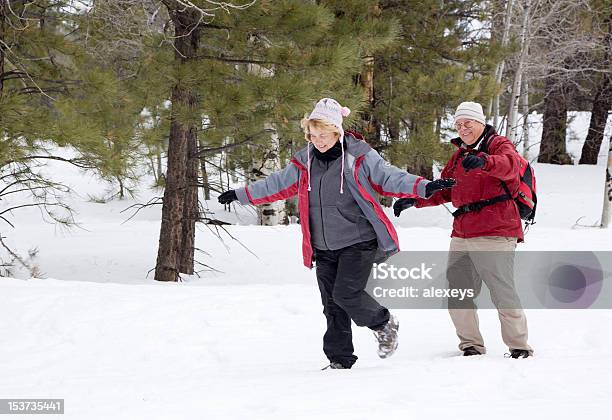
(354,146)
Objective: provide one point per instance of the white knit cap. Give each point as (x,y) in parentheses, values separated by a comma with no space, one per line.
(329,110)
(470,110)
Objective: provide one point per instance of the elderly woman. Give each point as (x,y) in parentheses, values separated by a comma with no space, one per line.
(336,177)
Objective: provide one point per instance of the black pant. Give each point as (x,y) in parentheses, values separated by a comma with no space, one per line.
(342,276)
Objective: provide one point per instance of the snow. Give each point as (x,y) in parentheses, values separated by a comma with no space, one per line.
(245,341)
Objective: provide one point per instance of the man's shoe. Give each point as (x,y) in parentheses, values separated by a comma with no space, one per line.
(336,365)
(387,338)
(519,354)
(471,351)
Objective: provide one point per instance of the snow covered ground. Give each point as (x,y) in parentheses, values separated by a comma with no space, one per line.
(245,341)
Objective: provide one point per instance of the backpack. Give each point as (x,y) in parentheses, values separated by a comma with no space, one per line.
(526,198)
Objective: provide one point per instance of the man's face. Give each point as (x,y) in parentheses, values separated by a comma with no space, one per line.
(469,130)
(323,141)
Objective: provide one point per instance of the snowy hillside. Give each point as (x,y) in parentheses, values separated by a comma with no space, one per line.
(245,341)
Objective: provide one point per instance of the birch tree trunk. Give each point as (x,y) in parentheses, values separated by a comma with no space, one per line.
(525,112)
(499,69)
(515,95)
(269,214)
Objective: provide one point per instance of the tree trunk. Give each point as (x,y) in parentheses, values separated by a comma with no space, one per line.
(2,15)
(552,146)
(525,112)
(605,217)
(602,102)
(205,182)
(515,95)
(370,126)
(160,172)
(190,209)
(599,116)
(499,70)
(181,133)
(271,214)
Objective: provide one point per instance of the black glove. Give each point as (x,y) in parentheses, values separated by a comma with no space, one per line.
(403,204)
(227,197)
(438,184)
(473,162)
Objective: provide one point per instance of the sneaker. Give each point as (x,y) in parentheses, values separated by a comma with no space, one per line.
(336,365)
(471,351)
(387,338)
(519,354)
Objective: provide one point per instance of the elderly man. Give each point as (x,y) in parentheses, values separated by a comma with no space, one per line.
(487,219)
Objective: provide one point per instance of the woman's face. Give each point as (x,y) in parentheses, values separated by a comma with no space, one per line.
(323,140)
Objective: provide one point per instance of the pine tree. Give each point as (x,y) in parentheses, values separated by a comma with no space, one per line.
(439,61)
(46,80)
(211,79)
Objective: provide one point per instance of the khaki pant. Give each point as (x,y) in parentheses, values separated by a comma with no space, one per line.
(489,259)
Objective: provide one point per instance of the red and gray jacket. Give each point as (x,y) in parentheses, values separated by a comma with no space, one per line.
(502,164)
(365,174)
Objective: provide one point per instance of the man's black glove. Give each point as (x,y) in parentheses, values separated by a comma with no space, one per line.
(403,204)
(473,162)
(438,184)
(227,197)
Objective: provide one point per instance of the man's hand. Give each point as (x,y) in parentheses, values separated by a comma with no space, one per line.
(439,184)
(403,204)
(227,197)
(473,162)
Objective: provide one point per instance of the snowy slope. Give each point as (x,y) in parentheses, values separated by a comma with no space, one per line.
(244,342)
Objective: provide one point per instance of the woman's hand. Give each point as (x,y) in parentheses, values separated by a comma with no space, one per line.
(439,184)
(403,204)
(227,197)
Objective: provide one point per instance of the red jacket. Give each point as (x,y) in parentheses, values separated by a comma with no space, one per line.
(502,164)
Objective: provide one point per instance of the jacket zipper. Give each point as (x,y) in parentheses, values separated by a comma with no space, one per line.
(321,204)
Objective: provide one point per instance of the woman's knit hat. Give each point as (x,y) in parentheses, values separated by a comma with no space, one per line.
(330,111)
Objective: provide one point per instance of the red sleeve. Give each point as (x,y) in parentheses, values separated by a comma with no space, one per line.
(502,161)
(440,196)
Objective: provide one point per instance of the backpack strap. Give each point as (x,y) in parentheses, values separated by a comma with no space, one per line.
(479,205)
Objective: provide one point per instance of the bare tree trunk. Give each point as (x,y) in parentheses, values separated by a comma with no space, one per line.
(499,69)
(515,95)
(552,146)
(181,133)
(599,116)
(602,102)
(525,111)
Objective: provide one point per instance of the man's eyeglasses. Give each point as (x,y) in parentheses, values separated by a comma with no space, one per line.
(466,124)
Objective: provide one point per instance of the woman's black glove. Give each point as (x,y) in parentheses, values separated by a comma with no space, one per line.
(473,162)
(438,184)
(403,204)
(227,197)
